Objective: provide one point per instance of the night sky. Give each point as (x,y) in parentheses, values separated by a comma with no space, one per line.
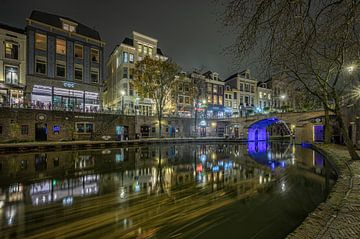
(189,31)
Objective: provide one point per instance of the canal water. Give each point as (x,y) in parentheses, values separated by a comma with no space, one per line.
(254,190)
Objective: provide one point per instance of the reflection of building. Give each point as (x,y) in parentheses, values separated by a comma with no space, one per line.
(119,94)
(64,190)
(65,65)
(12,65)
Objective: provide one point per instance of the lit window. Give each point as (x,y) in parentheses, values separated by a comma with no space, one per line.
(40,41)
(125,57)
(215,88)
(145,50)
(139,48)
(209,99)
(220,100)
(150,51)
(69,27)
(40,65)
(95,55)
(94,75)
(260,95)
(131,58)
(60,69)
(78,52)
(215,100)
(11,50)
(11,75)
(78,73)
(60,46)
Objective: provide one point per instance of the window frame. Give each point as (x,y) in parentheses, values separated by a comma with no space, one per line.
(5,75)
(44,60)
(24,129)
(82,51)
(97,55)
(82,72)
(94,70)
(60,63)
(37,34)
(11,50)
(56,46)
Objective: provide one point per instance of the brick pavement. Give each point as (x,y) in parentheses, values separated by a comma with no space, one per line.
(339,215)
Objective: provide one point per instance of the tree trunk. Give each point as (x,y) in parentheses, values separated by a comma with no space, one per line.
(327,139)
(345,133)
(160,119)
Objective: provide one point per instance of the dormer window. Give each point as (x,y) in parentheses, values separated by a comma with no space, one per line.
(68,26)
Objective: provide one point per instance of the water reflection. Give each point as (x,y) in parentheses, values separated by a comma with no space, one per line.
(130,185)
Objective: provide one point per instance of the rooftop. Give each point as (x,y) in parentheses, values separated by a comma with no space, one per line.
(13,29)
(55,20)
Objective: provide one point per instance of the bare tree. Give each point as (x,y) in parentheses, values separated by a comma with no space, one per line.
(313,42)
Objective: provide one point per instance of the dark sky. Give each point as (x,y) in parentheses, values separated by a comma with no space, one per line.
(189,31)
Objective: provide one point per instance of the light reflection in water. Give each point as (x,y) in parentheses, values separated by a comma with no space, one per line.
(135,181)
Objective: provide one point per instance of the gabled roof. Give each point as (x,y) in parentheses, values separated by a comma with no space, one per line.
(55,20)
(13,29)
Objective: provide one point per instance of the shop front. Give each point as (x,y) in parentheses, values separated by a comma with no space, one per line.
(50,97)
(11,95)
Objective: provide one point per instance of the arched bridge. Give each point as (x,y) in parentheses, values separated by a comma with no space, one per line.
(255,127)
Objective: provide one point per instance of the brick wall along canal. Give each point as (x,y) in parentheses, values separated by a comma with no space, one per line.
(263,189)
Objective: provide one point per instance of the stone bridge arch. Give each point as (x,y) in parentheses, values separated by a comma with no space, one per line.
(291,119)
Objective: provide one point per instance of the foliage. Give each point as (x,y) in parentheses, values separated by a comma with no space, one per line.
(156,79)
(313,42)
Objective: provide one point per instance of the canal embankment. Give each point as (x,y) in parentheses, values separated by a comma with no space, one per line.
(339,215)
(84,144)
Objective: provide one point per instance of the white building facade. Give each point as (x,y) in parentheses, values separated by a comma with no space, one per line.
(119,93)
(12,65)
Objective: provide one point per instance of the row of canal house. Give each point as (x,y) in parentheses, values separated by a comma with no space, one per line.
(58,63)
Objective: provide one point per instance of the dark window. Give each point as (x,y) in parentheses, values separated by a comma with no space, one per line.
(40,66)
(78,73)
(235,95)
(153,129)
(60,70)
(94,76)
(125,72)
(24,129)
(1,129)
(89,128)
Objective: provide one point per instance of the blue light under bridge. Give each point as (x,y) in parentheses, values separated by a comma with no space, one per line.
(257,131)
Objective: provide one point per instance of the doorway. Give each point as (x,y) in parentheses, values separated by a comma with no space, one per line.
(41,132)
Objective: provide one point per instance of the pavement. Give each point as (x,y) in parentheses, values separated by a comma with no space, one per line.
(339,215)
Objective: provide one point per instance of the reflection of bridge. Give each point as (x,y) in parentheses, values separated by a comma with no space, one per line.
(256,126)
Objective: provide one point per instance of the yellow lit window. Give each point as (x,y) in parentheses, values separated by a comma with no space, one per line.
(60,46)
(40,41)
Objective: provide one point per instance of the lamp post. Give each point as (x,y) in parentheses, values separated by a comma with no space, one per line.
(282,99)
(122,101)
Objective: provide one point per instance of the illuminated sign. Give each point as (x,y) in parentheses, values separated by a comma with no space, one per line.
(199,168)
(202,123)
(56,129)
(69,84)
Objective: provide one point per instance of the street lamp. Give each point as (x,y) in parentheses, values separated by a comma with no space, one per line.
(122,101)
(282,98)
